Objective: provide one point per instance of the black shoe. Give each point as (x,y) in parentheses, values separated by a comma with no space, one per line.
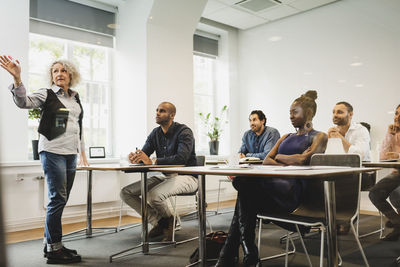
(72,251)
(62,257)
(389,224)
(157,230)
(392,236)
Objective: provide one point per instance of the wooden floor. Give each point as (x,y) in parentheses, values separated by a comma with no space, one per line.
(14,237)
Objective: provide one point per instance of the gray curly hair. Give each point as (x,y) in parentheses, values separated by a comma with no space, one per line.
(74,75)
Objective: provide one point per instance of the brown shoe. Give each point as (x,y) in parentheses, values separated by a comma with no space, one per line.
(169,229)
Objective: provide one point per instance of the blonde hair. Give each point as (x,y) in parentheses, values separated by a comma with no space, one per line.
(74,75)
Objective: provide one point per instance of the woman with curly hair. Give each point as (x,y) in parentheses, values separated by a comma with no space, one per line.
(60,141)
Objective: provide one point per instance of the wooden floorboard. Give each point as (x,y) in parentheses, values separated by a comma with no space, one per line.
(32,234)
(14,237)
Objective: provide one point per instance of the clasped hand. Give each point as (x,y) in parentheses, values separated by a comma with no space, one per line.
(334,133)
(139,156)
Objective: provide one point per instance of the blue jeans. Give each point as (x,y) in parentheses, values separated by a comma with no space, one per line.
(59,171)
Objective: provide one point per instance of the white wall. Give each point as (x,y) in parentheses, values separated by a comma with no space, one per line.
(315,52)
(129,95)
(170,57)
(15,42)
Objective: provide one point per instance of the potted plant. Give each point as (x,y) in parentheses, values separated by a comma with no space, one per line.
(214,128)
(34,114)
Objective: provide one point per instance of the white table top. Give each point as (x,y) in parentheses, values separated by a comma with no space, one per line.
(301,172)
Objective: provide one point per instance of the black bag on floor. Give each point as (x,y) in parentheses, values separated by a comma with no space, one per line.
(214,244)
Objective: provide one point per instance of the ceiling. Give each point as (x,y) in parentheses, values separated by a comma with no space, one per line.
(243,14)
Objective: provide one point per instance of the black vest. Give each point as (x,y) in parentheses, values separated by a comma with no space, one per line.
(54,118)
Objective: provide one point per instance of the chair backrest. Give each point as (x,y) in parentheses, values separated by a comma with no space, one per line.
(347,188)
(201,160)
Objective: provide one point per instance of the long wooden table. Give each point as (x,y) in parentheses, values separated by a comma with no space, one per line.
(328,174)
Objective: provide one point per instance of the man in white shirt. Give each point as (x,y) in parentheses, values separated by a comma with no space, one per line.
(355,137)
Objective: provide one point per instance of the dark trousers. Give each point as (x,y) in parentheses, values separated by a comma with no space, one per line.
(257,195)
(381,191)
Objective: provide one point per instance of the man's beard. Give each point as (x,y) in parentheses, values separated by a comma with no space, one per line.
(256,129)
(341,122)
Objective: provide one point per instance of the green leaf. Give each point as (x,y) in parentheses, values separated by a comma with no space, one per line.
(213,124)
(34,114)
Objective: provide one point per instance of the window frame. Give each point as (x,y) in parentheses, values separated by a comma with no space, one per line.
(109,84)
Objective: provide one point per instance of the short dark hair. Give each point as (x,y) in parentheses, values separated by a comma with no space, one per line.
(348,106)
(260,114)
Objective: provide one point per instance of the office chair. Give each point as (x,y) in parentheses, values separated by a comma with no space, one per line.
(368,180)
(311,211)
(176,226)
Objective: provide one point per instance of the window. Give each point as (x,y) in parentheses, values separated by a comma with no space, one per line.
(204,97)
(94,63)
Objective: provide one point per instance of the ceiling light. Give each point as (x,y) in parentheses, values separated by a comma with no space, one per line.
(359,85)
(391,112)
(341,81)
(307,73)
(356,64)
(275,38)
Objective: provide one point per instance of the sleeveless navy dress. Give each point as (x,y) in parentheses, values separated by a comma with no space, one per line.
(288,192)
(277,194)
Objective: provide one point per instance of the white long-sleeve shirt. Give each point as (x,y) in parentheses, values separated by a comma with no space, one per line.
(359,139)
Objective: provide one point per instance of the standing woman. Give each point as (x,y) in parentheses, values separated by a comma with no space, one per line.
(60,140)
(273,194)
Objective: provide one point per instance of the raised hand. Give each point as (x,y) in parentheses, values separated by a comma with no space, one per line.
(13,67)
(392,129)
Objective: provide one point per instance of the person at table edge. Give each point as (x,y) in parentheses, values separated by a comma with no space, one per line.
(389,186)
(174,144)
(355,139)
(260,139)
(273,194)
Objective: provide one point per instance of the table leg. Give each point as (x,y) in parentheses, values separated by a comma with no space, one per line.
(89,204)
(330,214)
(201,201)
(145,236)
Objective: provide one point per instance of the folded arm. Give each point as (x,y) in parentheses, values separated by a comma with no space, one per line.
(318,146)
